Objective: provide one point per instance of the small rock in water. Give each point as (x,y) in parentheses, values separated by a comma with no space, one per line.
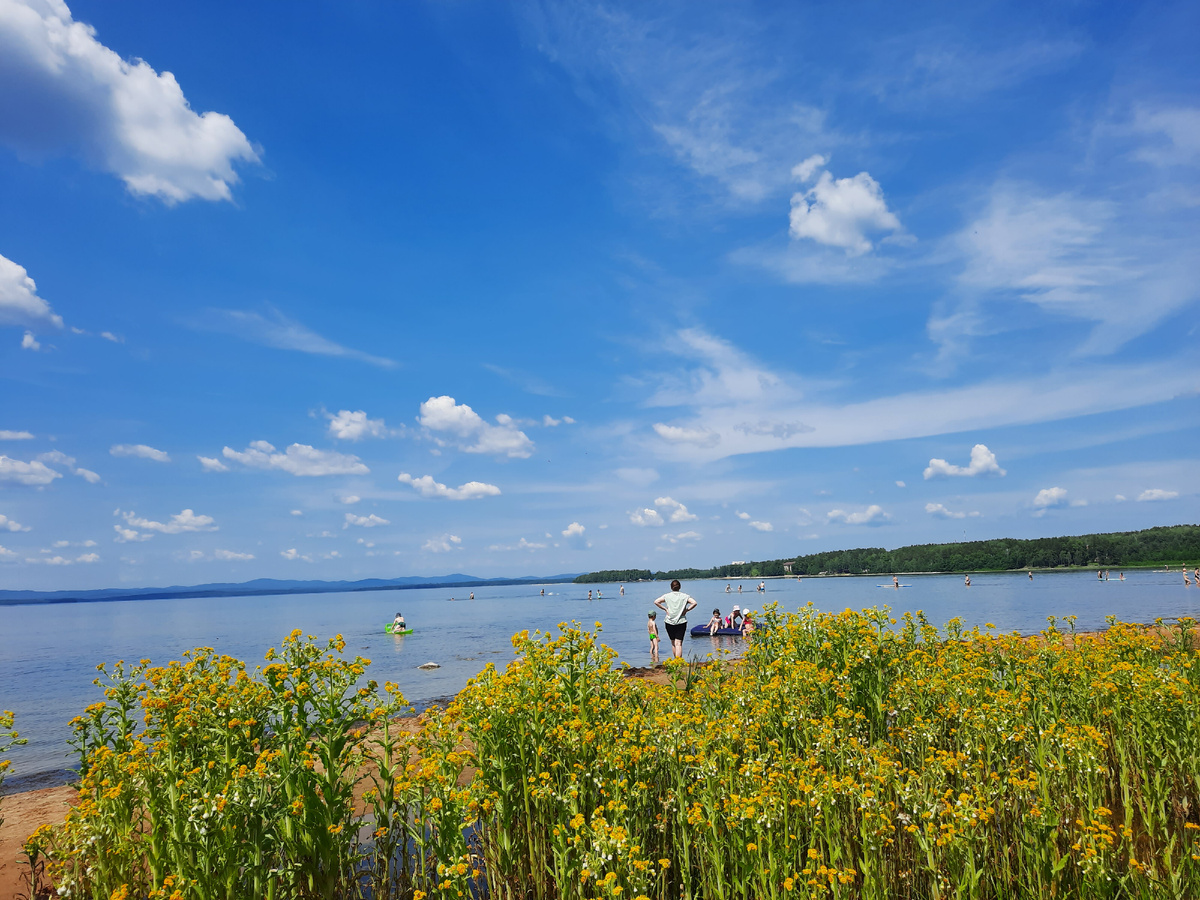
(429,665)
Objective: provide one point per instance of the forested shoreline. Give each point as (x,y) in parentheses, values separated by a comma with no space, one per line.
(1160,546)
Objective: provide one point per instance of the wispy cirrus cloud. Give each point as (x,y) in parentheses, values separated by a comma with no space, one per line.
(271,328)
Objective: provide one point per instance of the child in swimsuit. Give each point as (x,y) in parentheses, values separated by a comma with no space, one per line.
(652,630)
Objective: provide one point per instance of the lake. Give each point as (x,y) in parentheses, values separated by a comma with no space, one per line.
(48,653)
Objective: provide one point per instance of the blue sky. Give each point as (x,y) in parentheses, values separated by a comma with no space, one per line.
(376,289)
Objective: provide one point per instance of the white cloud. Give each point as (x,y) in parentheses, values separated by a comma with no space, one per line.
(427,487)
(646,517)
(744,516)
(297,512)
(354,426)
(88,558)
(5,553)
(901,484)
(804,171)
(140,451)
(232,555)
(983,462)
(15,435)
(300,459)
(443,544)
(29,342)
(683,537)
(293,553)
(675,511)
(1120,498)
(350,499)
(30,473)
(87,475)
(872,515)
(7,524)
(181,522)
(369,521)
(1049,498)
(940,511)
(1177,134)
(129,535)
(274,329)
(574,533)
(19,301)
(455,423)
(109,336)
(842,212)
(762,526)
(212,464)
(61,90)
(1157,494)
(702,437)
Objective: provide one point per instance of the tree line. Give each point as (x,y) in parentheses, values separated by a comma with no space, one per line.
(1164,545)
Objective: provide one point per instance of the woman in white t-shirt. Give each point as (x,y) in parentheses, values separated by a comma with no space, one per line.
(676,604)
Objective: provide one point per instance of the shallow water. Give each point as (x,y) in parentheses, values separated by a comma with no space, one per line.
(48,653)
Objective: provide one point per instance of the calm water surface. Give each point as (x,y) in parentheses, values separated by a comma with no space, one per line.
(48,653)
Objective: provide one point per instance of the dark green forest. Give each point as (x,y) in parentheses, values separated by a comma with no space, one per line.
(1166,545)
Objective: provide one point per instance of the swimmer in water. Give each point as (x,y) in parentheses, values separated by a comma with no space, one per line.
(895,582)
(967,581)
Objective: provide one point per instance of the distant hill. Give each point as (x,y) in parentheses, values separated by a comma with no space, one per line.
(267,586)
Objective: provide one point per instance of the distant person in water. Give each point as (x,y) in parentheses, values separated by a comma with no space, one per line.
(728,589)
(599,593)
(676,605)
(739,588)
(543,592)
(652,630)
(895,582)
(715,622)
(589,595)
(1100,575)
(762,587)
(1031,574)
(472,595)
(1121,577)
(622,590)
(967,581)
(398,623)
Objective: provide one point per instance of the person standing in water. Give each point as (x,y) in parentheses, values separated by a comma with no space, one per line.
(589,595)
(622,590)
(652,630)
(967,581)
(472,595)
(1031,574)
(895,582)
(676,604)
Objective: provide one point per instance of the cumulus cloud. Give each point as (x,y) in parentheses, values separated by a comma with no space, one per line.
(29,342)
(702,437)
(761,526)
(7,524)
(181,522)
(674,510)
(646,517)
(350,499)
(940,511)
(574,533)
(129,535)
(872,515)
(88,558)
(456,424)
(212,464)
(1157,494)
(293,553)
(427,487)
(443,544)
(15,435)
(87,475)
(744,516)
(901,484)
(683,537)
(139,451)
(1049,498)
(983,462)
(369,521)
(550,422)
(232,555)
(28,473)
(354,426)
(839,212)
(61,90)
(300,460)
(19,300)
(7,554)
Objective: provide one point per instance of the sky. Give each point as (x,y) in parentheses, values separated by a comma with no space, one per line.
(375,289)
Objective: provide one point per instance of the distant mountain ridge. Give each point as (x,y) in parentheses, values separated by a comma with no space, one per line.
(268,586)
